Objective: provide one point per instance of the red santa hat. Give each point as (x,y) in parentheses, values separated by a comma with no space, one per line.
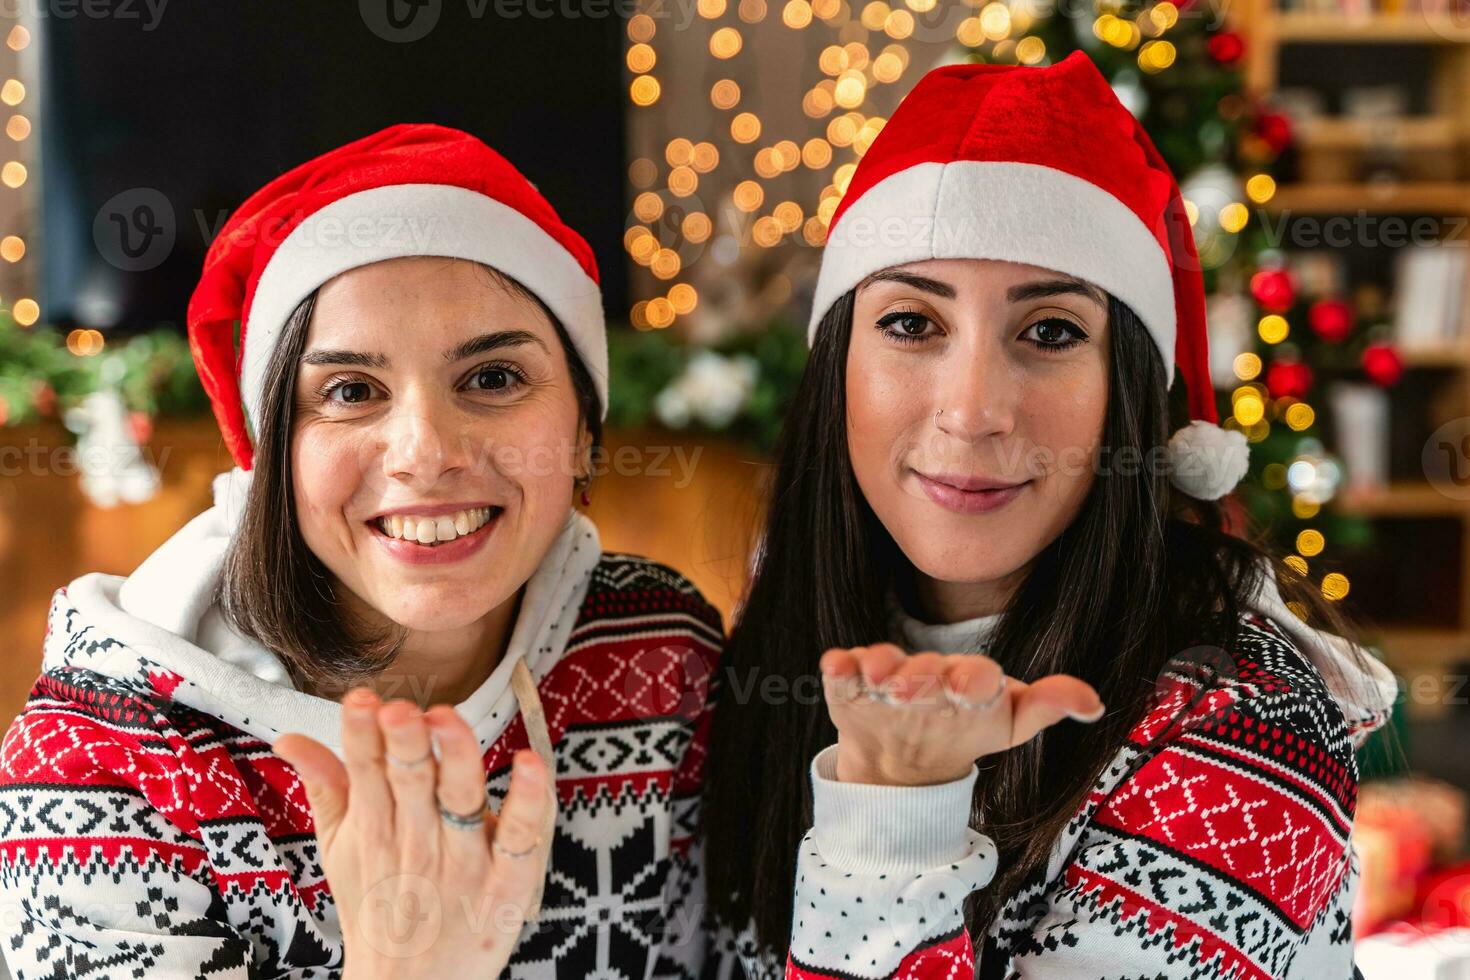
(410,189)
(1042,166)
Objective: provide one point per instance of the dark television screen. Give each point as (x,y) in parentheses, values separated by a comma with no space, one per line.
(159,118)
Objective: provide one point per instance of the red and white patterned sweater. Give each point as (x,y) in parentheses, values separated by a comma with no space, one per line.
(1216,844)
(147,830)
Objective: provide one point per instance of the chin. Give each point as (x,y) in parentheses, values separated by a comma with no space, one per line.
(964,555)
(432,607)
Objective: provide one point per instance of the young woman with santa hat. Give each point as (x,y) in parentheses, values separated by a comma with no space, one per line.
(270,750)
(979,459)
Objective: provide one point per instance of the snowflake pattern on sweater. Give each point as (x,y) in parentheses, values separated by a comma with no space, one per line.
(141,837)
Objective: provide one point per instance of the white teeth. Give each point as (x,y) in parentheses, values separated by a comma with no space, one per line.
(432,530)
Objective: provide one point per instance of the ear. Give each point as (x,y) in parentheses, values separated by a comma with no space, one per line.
(584,450)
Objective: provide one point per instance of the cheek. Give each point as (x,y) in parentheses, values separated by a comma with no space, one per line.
(883,404)
(537,453)
(1066,421)
(325,475)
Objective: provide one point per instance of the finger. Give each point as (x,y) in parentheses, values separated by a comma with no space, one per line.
(918,680)
(323,778)
(518,829)
(878,662)
(841,680)
(973,679)
(1043,703)
(362,749)
(461,786)
(412,777)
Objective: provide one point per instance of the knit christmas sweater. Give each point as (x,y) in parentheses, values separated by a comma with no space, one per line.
(148,831)
(1216,843)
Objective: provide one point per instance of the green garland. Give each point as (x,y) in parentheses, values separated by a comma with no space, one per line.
(41,378)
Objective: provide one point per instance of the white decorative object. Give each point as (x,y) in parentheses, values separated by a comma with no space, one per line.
(1231,320)
(713,389)
(1360,419)
(112,464)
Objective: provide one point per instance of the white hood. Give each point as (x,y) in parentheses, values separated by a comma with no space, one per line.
(161,626)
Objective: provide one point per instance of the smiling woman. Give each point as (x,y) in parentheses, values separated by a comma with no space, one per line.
(427,477)
(992,518)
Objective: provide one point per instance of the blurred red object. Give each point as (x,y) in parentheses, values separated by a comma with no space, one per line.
(1403,830)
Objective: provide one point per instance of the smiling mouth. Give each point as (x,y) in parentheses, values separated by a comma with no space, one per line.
(431,531)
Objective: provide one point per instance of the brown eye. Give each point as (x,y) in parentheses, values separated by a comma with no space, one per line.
(1054,333)
(903,325)
(352,392)
(492,378)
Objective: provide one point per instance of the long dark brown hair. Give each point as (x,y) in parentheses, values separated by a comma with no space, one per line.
(1141,574)
(273,588)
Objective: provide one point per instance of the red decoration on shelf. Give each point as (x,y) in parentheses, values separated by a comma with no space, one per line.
(1275,129)
(1331,319)
(1383,364)
(1226,47)
(1288,379)
(44,398)
(1274,289)
(141,424)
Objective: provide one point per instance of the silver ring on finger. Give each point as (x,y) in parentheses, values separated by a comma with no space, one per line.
(504,851)
(393,760)
(877,694)
(463,821)
(960,702)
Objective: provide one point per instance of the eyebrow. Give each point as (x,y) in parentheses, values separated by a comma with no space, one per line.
(1055,287)
(928,285)
(482,344)
(1041,289)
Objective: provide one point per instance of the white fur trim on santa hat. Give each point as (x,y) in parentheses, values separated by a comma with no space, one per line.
(1018,212)
(1206,461)
(420,219)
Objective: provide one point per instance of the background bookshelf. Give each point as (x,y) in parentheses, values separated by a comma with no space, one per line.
(1414,521)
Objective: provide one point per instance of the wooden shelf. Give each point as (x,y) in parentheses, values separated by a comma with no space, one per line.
(1413,133)
(1447,356)
(1425,197)
(1402,500)
(1313,28)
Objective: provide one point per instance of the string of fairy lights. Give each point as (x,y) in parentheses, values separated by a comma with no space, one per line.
(868,51)
(13,174)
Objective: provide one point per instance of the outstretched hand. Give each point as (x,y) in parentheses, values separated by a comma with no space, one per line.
(921,719)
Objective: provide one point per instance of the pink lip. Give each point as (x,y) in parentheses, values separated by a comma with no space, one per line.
(413,553)
(430,510)
(967,495)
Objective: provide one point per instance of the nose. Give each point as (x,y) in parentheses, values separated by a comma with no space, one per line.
(975,394)
(421,442)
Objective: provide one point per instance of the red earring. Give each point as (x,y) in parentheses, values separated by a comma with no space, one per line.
(586,500)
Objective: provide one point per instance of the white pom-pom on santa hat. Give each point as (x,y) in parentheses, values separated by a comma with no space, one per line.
(1206,461)
(962,171)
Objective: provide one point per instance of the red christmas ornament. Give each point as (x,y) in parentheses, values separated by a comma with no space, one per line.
(1288,379)
(45,398)
(1383,364)
(1274,289)
(1331,319)
(1226,47)
(1275,129)
(141,425)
